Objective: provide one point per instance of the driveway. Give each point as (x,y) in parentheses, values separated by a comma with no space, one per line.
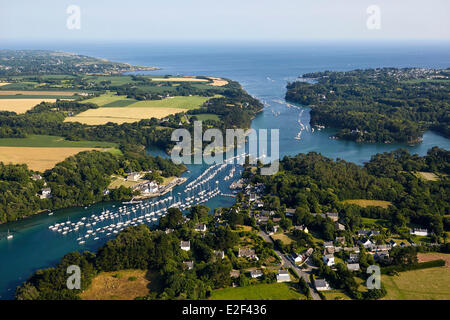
(287,263)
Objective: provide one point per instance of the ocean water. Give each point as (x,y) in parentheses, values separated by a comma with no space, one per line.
(263,70)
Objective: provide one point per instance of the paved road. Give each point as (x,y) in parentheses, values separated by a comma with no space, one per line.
(286,262)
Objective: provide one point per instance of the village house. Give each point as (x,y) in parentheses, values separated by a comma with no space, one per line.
(256,273)
(339,226)
(353,266)
(185,245)
(289,212)
(283,276)
(366,243)
(328,244)
(147,187)
(297,258)
(36,177)
(46,193)
(263,220)
(235,273)
(200,228)
(133,176)
(333,216)
(168,230)
(321,285)
(328,259)
(419,232)
(189,264)
(392,243)
(220,254)
(353,258)
(247,253)
(352,249)
(302,228)
(340,240)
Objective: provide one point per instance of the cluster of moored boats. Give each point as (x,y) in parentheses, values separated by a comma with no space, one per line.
(110,222)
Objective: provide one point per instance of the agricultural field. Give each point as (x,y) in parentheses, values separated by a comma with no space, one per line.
(112,111)
(428,176)
(119,285)
(38,159)
(425,284)
(270,291)
(369,203)
(335,295)
(121,115)
(21,105)
(45,141)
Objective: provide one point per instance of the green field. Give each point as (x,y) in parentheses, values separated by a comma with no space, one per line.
(425,284)
(207,116)
(44,141)
(271,291)
(112,100)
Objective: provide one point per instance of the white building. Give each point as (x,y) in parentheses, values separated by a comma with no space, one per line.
(185,245)
(419,232)
(321,285)
(283,276)
(328,259)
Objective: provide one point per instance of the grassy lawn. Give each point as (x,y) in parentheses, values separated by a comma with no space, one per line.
(335,295)
(120,285)
(207,116)
(369,203)
(426,284)
(271,291)
(283,237)
(45,141)
(374,222)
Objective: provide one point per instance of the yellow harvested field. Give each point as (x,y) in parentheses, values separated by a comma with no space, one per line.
(429,176)
(121,115)
(179,79)
(37,93)
(3,84)
(21,105)
(118,285)
(424,257)
(38,159)
(368,203)
(218,82)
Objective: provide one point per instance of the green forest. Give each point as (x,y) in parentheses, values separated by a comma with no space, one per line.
(377,105)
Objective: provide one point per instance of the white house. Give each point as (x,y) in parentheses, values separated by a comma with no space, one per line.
(419,232)
(328,259)
(297,257)
(189,264)
(46,193)
(133,176)
(283,276)
(201,228)
(353,266)
(289,212)
(256,273)
(185,245)
(366,243)
(220,254)
(321,285)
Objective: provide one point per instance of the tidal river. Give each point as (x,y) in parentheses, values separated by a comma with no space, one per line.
(263,70)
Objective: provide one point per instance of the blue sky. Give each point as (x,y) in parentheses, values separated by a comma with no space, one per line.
(214,20)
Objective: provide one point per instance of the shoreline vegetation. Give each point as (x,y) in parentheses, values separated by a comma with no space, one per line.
(377,105)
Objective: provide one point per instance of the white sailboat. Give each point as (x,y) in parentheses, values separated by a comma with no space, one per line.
(9,236)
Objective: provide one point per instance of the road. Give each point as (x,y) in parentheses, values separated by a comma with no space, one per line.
(286,262)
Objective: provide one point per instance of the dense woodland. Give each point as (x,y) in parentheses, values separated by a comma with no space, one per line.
(312,183)
(77,181)
(377,105)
